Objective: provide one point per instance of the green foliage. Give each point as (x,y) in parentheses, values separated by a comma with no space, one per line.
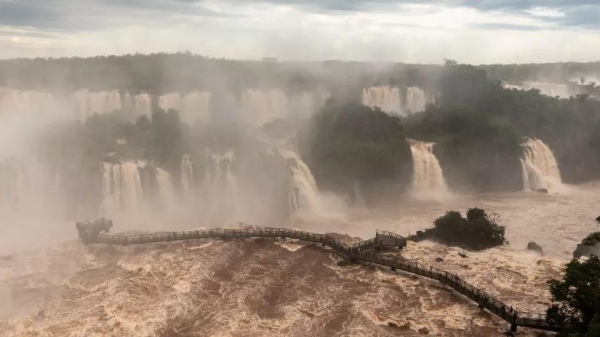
(577,297)
(111,137)
(477,151)
(477,231)
(592,239)
(354,143)
(461,83)
(479,126)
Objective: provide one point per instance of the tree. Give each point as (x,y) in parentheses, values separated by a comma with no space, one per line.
(479,230)
(461,83)
(577,299)
(352,143)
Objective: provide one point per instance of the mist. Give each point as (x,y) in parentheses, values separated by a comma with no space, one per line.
(341,118)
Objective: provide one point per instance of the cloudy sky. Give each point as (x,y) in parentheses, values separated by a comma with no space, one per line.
(426,31)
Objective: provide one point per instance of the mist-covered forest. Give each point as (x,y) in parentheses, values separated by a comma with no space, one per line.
(478,125)
(183,72)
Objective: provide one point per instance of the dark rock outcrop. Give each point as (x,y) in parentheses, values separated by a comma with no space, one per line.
(535,247)
(542,190)
(588,246)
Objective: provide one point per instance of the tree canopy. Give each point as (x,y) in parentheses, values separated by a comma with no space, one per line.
(478,231)
(577,299)
(352,143)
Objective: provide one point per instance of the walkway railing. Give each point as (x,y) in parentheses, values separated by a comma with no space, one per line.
(361,251)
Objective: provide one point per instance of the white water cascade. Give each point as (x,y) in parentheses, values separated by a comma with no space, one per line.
(170,101)
(28,187)
(87,103)
(540,169)
(305,104)
(386,98)
(166,191)
(428,178)
(12,186)
(187,174)
(303,194)
(220,189)
(195,107)
(141,104)
(259,107)
(506,85)
(13,101)
(549,89)
(121,186)
(415,99)
(192,107)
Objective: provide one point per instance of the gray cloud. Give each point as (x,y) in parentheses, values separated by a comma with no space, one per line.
(506,26)
(95,14)
(75,15)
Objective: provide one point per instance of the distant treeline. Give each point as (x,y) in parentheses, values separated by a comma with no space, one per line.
(183,72)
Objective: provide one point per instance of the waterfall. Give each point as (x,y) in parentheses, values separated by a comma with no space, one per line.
(549,89)
(540,169)
(121,186)
(87,103)
(259,107)
(13,101)
(128,186)
(415,99)
(80,105)
(303,194)
(11,186)
(505,85)
(218,177)
(386,98)
(427,172)
(143,104)
(170,101)
(165,187)
(187,173)
(195,107)
(305,104)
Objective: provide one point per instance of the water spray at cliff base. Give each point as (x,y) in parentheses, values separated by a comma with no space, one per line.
(428,183)
(540,169)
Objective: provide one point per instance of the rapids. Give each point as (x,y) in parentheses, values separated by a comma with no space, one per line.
(274,287)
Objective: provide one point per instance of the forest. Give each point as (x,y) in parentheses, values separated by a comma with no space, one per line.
(477,125)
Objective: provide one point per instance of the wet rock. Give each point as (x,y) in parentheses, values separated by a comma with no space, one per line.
(590,245)
(344,263)
(404,326)
(535,247)
(424,331)
(463,255)
(439,259)
(585,250)
(542,190)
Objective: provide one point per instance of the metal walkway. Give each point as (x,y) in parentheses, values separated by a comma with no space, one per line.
(361,251)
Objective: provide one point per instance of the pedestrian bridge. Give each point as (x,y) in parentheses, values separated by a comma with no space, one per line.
(365,251)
